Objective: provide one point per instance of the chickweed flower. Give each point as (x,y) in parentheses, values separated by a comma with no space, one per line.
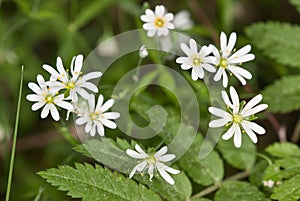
(196,60)
(238,117)
(158,22)
(143,53)
(182,20)
(153,162)
(48,98)
(228,60)
(73,83)
(96,117)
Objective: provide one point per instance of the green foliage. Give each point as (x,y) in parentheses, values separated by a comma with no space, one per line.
(237,191)
(241,158)
(288,191)
(206,171)
(284,149)
(277,40)
(257,173)
(112,153)
(89,183)
(296,3)
(287,93)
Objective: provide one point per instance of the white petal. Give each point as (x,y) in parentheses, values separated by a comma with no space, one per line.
(159,11)
(93,130)
(241,59)
(254,110)
(254,101)
(161,152)
(150,171)
(249,132)
(34,87)
(78,64)
(215,53)
(139,149)
(218,122)
(100,129)
(99,102)
(218,112)
(243,72)
(90,86)
(88,126)
(243,51)
(237,137)
(193,46)
(225,79)
(229,133)
(209,68)
(141,166)
(235,100)
(91,102)
(223,41)
(166,176)
(135,154)
(226,99)
(108,123)
(90,76)
(219,74)
(41,81)
(151,32)
(172,170)
(231,43)
(166,158)
(66,105)
(45,111)
(34,97)
(149,17)
(133,171)
(255,127)
(51,70)
(82,120)
(169,17)
(111,115)
(108,104)
(199,71)
(37,105)
(185,49)
(54,112)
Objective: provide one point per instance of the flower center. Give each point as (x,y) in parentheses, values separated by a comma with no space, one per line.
(223,63)
(70,85)
(94,116)
(197,60)
(237,118)
(151,159)
(159,22)
(49,99)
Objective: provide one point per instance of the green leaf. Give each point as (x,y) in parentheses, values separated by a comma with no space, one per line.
(112,153)
(89,183)
(296,3)
(284,149)
(237,191)
(286,100)
(200,199)
(206,171)
(288,191)
(279,41)
(181,190)
(88,12)
(241,158)
(283,169)
(257,173)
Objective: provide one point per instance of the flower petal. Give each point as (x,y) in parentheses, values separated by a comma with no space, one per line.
(161,152)
(166,158)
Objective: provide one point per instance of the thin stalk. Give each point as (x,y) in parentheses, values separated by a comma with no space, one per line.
(13,150)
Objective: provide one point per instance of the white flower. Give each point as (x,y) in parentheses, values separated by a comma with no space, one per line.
(196,60)
(227,60)
(182,20)
(47,98)
(96,118)
(74,84)
(143,52)
(269,183)
(238,117)
(153,162)
(157,22)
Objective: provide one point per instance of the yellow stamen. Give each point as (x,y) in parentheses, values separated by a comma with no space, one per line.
(159,22)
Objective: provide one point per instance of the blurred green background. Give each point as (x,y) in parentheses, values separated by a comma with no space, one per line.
(35,32)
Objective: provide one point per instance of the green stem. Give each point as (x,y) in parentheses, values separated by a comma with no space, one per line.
(216,186)
(13,150)
(265,157)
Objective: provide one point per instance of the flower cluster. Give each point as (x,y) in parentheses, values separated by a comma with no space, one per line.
(63,91)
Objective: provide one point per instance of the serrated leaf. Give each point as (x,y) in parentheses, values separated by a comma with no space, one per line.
(241,158)
(237,191)
(296,3)
(283,169)
(284,149)
(277,40)
(111,153)
(89,183)
(288,191)
(286,100)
